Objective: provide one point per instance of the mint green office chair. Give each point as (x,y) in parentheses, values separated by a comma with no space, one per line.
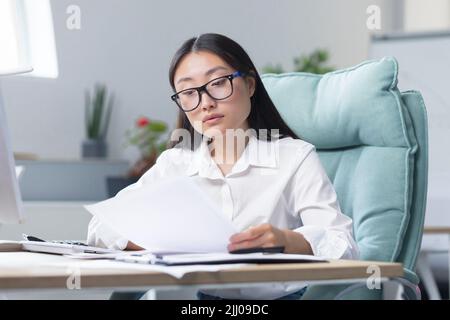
(372,140)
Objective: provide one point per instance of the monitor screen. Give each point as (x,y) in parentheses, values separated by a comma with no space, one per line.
(10,198)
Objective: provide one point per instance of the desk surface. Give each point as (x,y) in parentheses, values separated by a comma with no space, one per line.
(22,270)
(436,230)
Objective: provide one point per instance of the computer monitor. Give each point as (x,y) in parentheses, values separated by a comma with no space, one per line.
(10,198)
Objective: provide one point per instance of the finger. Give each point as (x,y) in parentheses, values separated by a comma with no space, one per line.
(249,234)
(247,243)
(265,240)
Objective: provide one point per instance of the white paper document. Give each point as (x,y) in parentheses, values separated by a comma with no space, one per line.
(108,256)
(173,215)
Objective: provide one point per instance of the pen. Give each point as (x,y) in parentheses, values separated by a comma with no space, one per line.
(31,238)
(276,249)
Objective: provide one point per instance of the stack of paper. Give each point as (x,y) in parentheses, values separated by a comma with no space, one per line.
(173,215)
(218,258)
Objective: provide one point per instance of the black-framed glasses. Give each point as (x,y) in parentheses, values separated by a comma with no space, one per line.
(218,89)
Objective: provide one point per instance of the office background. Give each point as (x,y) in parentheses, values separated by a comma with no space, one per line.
(128,45)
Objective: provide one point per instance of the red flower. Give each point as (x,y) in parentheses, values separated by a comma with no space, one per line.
(142,122)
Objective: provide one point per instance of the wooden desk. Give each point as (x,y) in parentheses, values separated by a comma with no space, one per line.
(24,270)
(436,230)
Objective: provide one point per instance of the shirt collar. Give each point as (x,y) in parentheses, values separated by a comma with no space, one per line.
(258,153)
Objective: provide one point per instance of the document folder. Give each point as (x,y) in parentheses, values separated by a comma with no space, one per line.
(218,258)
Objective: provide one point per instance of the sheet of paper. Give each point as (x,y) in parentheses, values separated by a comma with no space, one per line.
(173,215)
(113,255)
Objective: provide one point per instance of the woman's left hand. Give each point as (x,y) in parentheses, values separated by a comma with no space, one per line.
(266,235)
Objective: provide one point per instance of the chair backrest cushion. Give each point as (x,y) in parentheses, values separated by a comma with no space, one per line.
(363,133)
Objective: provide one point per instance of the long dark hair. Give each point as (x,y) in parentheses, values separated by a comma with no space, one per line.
(263,113)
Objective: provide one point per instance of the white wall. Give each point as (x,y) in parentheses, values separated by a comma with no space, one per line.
(129,45)
(421,16)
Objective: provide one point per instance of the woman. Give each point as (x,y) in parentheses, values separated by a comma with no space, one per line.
(267,181)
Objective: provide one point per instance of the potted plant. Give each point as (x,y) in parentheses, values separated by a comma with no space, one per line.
(147,135)
(97,116)
(313,63)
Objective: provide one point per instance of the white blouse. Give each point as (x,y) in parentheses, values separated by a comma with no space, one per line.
(281,182)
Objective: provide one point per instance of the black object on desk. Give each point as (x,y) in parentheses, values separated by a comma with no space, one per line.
(70,242)
(276,249)
(31,238)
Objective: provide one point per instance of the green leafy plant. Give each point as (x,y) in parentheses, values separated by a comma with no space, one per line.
(147,135)
(312,63)
(98,112)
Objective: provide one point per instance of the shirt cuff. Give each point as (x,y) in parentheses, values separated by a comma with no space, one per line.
(328,243)
(109,242)
(100,235)
(120,244)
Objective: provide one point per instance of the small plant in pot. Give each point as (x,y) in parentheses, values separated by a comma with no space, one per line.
(97,116)
(147,136)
